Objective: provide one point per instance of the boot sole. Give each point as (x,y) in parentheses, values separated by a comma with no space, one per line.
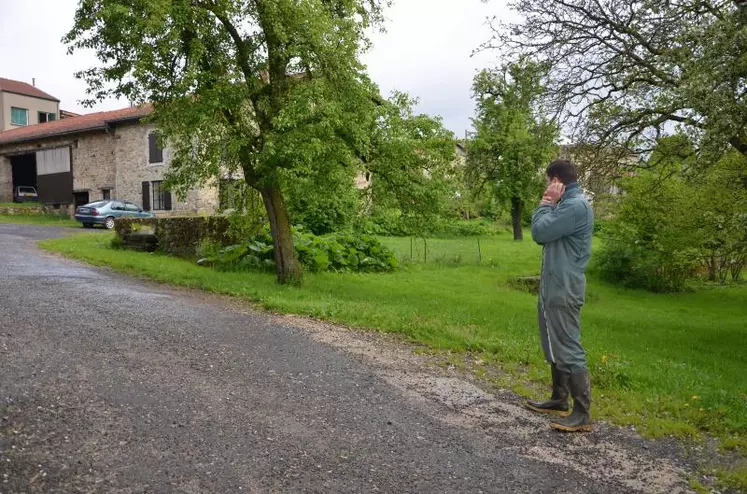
(559,413)
(564,428)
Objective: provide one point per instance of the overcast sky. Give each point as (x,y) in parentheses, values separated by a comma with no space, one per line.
(425,52)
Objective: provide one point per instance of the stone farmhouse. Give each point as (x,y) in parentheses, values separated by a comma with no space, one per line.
(83,158)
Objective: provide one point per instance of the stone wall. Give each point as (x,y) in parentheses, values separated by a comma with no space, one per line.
(134,169)
(6,180)
(33,211)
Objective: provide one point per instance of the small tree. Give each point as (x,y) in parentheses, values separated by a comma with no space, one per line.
(512,140)
(263,87)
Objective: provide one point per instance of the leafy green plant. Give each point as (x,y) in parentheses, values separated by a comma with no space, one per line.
(336,252)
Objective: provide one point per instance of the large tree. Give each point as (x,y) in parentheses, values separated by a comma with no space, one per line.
(513,140)
(628,72)
(257,86)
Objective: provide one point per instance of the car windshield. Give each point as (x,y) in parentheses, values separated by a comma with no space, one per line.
(26,189)
(96,204)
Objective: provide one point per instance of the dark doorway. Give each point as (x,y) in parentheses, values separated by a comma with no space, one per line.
(81,198)
(24,170)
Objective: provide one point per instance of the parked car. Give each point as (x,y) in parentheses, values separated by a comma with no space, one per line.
(105,212)
(25,193)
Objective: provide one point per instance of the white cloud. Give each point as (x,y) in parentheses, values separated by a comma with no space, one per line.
(426,52)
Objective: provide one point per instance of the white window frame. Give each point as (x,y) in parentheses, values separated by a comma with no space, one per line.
(47,113)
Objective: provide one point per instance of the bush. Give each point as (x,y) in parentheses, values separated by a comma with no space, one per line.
(652,241)
(336,252)
(186,236)
(627,261)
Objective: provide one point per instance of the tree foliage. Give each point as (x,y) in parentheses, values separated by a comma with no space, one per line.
(628,73)
(411,166)
(258,87)
(513,140)
(679,218)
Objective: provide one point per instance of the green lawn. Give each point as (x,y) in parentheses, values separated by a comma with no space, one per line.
(669,364)
(38,219)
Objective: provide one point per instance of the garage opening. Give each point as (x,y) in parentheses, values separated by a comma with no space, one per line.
(24,174)
(54,176)
(81,198)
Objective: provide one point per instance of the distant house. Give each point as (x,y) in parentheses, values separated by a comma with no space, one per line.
(68,114)
(23,104)
(105,155)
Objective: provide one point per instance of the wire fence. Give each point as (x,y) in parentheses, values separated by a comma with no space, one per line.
(466,250)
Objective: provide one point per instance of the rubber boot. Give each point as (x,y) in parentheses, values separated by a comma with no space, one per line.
(558,402)
(580,418)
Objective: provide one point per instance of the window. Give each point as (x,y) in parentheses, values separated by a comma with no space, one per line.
(47,117)
(106,194)
(19,116)
(156,197)
(131,207)
(117,206)
(155,153)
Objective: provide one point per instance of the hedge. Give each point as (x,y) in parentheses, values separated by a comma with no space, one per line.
(181,236)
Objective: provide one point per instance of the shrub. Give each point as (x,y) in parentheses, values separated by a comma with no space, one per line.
(336,252)
(627,261)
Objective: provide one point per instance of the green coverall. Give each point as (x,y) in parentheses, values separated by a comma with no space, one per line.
(565,232)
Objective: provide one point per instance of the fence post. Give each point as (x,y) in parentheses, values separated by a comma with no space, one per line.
(411,248)
(479,251)
(425,251)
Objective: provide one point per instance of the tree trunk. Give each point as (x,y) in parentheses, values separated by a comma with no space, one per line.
(516,211)
(739,144)
(286,264)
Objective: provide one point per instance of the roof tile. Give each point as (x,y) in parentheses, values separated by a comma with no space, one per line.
(72,125)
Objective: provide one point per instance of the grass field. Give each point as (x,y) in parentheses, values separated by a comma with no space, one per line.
(668,364)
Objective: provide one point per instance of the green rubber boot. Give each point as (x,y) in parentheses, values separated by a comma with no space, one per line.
(580,418)
(558,402)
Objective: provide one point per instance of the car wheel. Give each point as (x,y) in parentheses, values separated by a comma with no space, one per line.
(109,224)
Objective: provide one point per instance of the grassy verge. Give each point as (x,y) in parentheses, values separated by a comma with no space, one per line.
(39,220)
(667,364)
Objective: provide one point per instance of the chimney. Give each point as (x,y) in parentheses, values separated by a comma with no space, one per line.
(33,81)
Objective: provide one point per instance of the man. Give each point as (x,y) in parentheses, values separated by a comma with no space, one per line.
(563,225)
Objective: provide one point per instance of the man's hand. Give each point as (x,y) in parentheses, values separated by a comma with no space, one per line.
(553,193)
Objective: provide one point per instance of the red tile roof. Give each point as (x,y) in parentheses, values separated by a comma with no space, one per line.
(73,125)
(18,87)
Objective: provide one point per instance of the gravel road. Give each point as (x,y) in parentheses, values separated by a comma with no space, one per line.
(115,385)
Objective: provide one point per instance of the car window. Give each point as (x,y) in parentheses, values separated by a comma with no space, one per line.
(117,206)
(131,207)
(27,190)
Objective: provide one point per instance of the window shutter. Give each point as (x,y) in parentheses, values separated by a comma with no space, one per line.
(167,200)
(155,153)
(146,196)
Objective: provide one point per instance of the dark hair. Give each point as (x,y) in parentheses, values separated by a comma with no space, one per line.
(564,170)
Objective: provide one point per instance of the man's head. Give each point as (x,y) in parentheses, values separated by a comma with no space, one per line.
(562,170)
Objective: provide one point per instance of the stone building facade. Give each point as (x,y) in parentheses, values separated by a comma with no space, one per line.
(112,156)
